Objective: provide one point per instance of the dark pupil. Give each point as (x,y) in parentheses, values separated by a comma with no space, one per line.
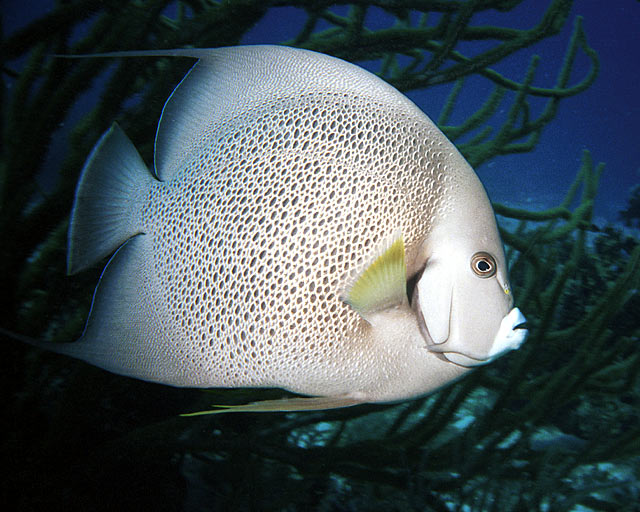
(483,266)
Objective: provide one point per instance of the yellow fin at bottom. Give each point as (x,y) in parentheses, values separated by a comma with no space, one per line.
(316,403)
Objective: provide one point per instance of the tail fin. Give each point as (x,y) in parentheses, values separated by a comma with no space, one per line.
(108,205)
(24,339)
(50,346)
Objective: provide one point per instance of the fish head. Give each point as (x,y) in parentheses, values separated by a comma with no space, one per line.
(462,298)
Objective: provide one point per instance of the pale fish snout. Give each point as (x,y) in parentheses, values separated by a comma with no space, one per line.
(510,334)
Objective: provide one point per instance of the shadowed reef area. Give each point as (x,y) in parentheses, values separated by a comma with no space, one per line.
(551,426)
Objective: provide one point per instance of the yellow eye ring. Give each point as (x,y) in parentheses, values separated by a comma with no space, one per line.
(483,264)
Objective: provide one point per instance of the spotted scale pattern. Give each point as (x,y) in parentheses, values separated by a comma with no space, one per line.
(257,236)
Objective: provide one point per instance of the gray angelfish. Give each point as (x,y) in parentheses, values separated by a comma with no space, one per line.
(294,197)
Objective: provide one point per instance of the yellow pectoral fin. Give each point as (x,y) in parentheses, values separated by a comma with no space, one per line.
(317,403)
(383,284)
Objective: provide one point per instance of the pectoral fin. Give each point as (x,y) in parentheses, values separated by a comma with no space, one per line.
(317,403)
(383,284)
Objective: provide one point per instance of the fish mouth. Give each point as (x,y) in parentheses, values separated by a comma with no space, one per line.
(523,325)
(511,334)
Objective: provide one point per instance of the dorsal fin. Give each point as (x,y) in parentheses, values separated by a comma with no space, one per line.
(383,284)
(227,81)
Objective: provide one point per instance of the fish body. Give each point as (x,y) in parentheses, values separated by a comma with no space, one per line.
(294,196)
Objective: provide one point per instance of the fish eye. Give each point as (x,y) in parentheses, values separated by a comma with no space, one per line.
(483,264)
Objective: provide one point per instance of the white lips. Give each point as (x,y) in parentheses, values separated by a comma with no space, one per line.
(508,336)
